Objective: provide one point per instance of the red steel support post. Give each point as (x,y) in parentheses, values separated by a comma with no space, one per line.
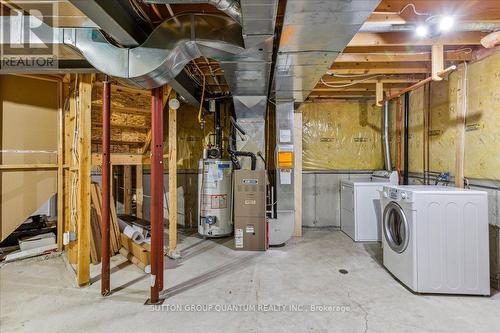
(106,115)
(156,194)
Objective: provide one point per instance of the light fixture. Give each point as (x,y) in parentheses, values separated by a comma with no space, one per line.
(422,30)
(446,23)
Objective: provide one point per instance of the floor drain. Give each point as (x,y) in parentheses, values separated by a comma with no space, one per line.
(343,271)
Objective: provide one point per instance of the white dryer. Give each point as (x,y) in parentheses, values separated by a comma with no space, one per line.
(436,238)
(360,207)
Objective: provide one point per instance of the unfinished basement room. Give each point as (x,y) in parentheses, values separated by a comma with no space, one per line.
(249,166)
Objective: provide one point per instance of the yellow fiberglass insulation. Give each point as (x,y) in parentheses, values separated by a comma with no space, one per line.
(342,135)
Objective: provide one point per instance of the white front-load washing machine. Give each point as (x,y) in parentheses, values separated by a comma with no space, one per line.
(435,238)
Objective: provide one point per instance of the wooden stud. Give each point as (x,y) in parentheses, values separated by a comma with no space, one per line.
(84,165)
(461,123)
(146,145)
(60,167)
(139,192)
(112,183)
(127,189)
(437,61)
(379,93)
(70,191)
(172,178)
(425,132)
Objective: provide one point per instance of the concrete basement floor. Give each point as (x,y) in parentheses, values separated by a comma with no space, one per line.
(40,294)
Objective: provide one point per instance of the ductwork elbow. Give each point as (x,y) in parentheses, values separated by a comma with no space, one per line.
(166,51)
(230,7)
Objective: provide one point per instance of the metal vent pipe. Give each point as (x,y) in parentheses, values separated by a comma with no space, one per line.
(385,137)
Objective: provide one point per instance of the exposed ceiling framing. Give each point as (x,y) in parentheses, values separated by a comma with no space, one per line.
(396,58)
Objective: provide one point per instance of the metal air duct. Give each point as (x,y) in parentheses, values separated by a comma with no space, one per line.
(385,137)
(248,74)
(166,51)
(230,7)
(314,33)
(244,52)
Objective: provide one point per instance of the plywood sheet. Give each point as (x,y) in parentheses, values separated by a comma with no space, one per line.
(28,122)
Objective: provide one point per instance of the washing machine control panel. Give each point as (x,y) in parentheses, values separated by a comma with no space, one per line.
(397,195)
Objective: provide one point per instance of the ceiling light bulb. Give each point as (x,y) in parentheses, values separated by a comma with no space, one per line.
(446,23)
(422,30)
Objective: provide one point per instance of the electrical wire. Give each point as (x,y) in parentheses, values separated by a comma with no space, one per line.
(351,83)
(156,11)
(75,157)
(348,76)
(410,5)
(466,50)
(139,11)
(188,71)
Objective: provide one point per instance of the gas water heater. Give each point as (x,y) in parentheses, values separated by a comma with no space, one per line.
(215,198)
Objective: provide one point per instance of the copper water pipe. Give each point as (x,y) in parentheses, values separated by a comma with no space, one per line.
(105,233)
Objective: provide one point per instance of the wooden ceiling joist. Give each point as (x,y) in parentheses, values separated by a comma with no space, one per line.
(409,38)
(467,10)
(374,70)
(350,94)
(359,87)
(401,57)
(384,78)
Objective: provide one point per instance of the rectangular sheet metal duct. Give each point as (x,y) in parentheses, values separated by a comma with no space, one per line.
(248,77)
(314,33)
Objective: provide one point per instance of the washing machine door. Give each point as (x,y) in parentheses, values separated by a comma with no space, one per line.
(396,228)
